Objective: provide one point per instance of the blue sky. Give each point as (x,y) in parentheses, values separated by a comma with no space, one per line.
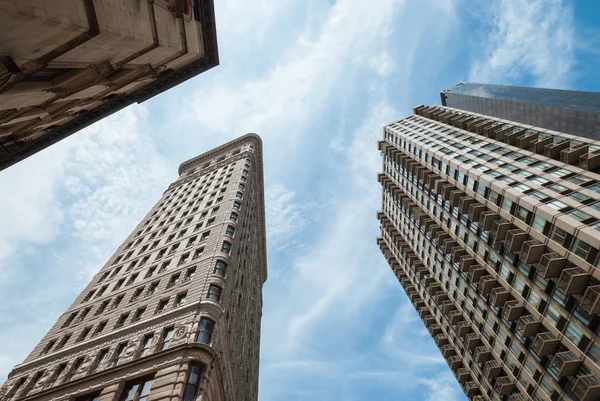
(317,80)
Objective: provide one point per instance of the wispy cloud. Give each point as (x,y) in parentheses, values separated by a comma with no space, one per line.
(532,39)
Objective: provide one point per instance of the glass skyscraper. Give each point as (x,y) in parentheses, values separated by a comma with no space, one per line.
(570,112)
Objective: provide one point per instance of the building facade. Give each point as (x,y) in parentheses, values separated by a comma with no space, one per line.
(571,112)
(492,228)
(175,312)
(65,64)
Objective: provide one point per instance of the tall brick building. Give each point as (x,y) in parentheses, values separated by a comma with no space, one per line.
(65,64)
(175,312)
(492,228)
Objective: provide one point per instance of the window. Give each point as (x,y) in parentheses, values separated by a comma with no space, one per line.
(193,382)
(214,293)
(230,230)
(62,342)
(233,217)
(205,331)
(189,275)
(138,390)
(236,205)
(581,248)
(166,338)
(100,327)
(139,314)
(102,307)
(239,195)
(102,356)
(559,235)
(180,299)
(119,353)
(146,345)
(84,334)
(226,247)
(48,347)
(220,268)
(122,320)
(59,370)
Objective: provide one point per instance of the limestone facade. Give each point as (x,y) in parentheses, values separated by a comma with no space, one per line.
(183,292)
(65,64)
(491,227)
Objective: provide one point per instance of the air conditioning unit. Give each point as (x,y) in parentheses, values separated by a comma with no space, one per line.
(552,150)
(551,265)
(464,203)
(455,362)
(591,300)
(455,196)
(573,280)
(465,262)
(524,141)
(476,274)
(527,326)
(514,239)
(487,219)
(463,375)
(590,161)
(475,210)
(587,388)
(572,155)
(500,229)
(456,253)
(565,364)
(532,251)
(487,283)
(512,310)
(545,344)
(500,296)
(482,353)
(504,385)
(492,369)
(538,145)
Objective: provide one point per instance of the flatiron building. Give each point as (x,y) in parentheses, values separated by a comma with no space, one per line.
(175,313)
(492,228)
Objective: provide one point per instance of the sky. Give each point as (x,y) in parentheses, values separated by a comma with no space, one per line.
(318,80)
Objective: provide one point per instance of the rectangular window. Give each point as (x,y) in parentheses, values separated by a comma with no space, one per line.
(138,390)
(193,382)
(214,293)
(147,345)
(205,331)
(166,338)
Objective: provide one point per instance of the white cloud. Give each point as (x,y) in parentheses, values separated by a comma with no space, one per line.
(532,38)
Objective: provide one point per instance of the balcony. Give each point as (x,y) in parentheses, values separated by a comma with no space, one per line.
(504,385)
(435,329)
(463,375)
(447,306)
(482,353)
(572,155)
(447,190)
(463,328)
(545,344)
(441,237)
(573,280)
(525,141)
(448,350)
(471,388)
(512,310)
(464,203)
(527,326)
(492,369)
(587,388)
(429,320)
(551,265)
(435,229)
(516,397)
(590,161)
(419,304)
(455,316)
(500,296)
(553,149)
(472,340)
(499,230)
(476,273)
(487,219)
(487,283)
(565,364)
(475,210)
(428,279)
(537,145)
(455,362)
(532,251)
(424,311)
(441,340)
(515,239)
(591,300)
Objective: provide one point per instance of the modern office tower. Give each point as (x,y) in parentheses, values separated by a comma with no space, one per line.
(571,112)
(65,64)
(175,313)
(493,229)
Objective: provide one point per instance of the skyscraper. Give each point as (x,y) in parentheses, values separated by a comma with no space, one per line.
(65,64)
(566,111)
(175,312)
(492,228)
